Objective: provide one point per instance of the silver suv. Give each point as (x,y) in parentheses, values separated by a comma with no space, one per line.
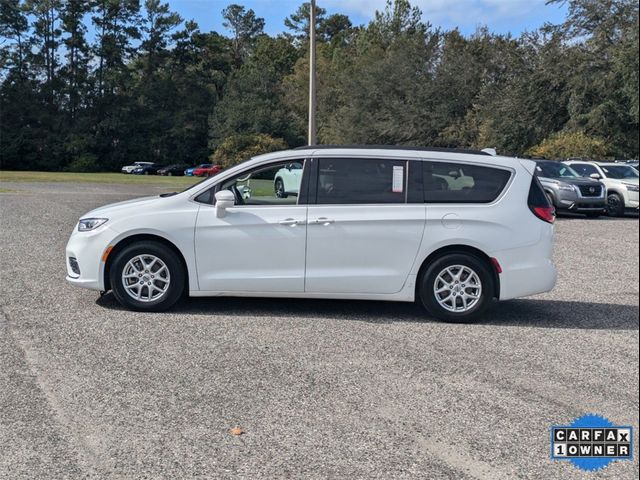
(569,192)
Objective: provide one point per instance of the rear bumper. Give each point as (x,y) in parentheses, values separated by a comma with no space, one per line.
(527,279)
(528,270)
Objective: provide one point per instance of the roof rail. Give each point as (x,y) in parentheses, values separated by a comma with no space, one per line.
(395,147)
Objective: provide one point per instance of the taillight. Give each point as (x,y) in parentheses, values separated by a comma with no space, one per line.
(539,203)
(548,214)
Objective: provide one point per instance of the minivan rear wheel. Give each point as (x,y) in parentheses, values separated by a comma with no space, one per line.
(457,288)
(147,276)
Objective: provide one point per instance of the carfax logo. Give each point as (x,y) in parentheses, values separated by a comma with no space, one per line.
(591,442)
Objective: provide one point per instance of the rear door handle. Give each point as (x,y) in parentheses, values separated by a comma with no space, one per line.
(323,221)
(292,222)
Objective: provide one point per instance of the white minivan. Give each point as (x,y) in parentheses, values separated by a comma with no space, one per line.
(452,229)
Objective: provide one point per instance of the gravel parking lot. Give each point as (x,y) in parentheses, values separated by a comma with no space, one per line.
(330,389)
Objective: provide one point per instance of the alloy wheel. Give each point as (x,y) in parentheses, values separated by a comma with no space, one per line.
(146,278)
(457,288)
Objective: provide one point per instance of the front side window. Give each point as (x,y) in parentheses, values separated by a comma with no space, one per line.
(275,184)
(361,181)
(461,183)
(584,169)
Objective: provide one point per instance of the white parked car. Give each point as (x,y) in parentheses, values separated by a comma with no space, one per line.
(287,181)
(620,180)
(131,168)
(453,230)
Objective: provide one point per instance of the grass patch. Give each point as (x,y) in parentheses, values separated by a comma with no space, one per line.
(6,190)
(113,178)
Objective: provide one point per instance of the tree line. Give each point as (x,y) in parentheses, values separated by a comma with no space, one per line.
(93,85)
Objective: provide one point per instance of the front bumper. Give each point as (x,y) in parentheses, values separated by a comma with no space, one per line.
(590,204)
(87,249)
(576,202)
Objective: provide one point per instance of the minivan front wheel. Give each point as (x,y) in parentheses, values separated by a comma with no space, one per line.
(457,288)
(147,276)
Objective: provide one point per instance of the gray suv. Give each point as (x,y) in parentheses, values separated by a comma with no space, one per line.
(570,192)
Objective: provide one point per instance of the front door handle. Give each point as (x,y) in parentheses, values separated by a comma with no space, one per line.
(323,221)
(292,222)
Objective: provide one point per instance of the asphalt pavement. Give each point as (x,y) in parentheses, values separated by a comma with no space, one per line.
(319,389)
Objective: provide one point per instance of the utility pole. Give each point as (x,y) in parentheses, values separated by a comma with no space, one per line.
(312,73)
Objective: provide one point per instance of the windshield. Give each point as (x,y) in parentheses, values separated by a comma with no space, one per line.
(620,172)
(555,170)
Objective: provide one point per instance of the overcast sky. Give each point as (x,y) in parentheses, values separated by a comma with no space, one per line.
(501,16)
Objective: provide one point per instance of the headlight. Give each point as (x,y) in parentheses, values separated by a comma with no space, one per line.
(86,224)
(631,187)
(566,187)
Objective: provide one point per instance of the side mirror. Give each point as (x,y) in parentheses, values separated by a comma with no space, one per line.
(224,199)
(595,176)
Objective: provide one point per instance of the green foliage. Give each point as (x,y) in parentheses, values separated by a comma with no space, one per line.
(564,145)
(238,148)
(146,85)
(245,28)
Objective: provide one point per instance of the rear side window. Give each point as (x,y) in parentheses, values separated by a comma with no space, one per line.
(361,180)
(461,183)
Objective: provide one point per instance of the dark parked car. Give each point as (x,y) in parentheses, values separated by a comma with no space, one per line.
(173,170)
(151,169)
(570,192)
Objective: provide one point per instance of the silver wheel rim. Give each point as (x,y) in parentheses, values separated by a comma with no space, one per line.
(457,288)
(279,189)
(146,278)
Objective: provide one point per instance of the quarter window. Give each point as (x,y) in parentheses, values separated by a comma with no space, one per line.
(462,183)
(361,181)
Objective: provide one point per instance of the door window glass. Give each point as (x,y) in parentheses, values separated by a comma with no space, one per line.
(361,181)
(277,184)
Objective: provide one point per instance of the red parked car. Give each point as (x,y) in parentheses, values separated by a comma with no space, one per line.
(207,171)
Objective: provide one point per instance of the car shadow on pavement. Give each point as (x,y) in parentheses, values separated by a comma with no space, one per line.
(525,313)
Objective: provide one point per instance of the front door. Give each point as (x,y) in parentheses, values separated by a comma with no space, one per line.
(259,246)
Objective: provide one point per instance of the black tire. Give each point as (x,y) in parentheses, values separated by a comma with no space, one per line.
(615,205)
(427,282)
(279,188)
(176,270)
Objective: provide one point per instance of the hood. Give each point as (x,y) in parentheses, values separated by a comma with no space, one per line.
(108,210)
(570,181)
(581,181)
(633,181)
